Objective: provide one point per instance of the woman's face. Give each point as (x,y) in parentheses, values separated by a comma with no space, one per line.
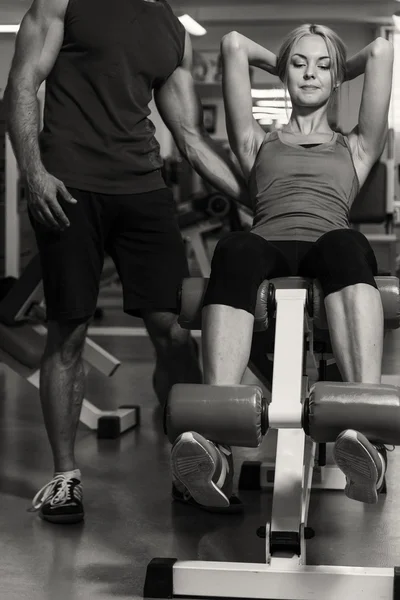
(309,72)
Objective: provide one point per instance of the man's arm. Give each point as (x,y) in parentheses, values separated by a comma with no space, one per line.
(37,46)
(180,108)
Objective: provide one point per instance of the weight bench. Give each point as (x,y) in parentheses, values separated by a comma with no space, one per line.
(308,413)
(22,343)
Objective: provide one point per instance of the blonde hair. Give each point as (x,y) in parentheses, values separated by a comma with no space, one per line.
(335,46)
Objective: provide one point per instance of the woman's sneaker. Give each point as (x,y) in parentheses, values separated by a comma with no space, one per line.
(203,473)
(364,465)
(60,500)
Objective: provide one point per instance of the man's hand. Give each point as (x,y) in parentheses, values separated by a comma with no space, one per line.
(44,190)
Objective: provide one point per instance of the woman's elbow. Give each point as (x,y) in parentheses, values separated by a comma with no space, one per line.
(382,48)
(230,42)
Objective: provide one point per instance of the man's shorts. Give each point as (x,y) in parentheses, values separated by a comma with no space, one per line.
(141,234)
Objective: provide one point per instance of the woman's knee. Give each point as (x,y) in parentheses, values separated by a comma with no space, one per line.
(346,258)
(66,339)
(236,253)
(239,265)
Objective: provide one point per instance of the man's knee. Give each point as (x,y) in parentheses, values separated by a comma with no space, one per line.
(66,339)
(178,337)
(164,329)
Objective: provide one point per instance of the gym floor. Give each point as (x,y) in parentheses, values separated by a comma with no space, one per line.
(130,517)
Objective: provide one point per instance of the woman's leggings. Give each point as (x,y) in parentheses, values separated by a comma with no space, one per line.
(243,260)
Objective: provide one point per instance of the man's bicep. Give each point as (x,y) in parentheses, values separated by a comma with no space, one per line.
(179,104)
(187,59)
(39,40)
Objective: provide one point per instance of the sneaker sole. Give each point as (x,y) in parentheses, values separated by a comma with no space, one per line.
(63,519)
(194,467)
(359,468)
(235,505)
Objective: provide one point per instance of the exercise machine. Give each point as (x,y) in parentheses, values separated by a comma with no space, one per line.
(195,224)
(308,411)
(22,343)
(200,217)
(374,206)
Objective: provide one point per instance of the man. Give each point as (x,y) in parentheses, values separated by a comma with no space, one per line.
(95,185)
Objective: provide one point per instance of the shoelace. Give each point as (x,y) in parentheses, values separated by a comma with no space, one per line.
(225,450)
(383,447)
(63,493)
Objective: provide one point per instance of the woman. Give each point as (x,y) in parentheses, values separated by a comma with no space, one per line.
(303,180)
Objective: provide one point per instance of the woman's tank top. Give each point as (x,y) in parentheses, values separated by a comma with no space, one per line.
(299,192)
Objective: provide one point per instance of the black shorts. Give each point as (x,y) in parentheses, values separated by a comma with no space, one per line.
(141,234)
(243,260)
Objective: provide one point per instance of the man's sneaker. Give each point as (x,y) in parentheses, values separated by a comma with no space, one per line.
(60,500)
(363,463)
(202,474)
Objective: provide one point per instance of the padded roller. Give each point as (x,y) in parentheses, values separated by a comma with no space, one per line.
(191,304)
(261,316)
(233,415)
(390,295)
(372,409)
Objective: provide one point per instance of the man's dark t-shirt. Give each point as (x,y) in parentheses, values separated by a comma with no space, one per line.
(96,134)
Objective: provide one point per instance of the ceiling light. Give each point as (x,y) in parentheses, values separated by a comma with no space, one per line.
(269,93)
(268,109)
(264,115)
(9,28)
(192,26)
(280,103)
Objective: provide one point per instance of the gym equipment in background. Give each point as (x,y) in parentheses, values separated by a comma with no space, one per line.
(374,205)
(202,216)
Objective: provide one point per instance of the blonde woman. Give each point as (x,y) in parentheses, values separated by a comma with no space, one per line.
(303,180)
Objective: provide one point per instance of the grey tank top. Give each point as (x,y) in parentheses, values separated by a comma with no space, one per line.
(300,193)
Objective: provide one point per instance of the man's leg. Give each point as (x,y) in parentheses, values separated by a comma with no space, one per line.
(176,352)
(149,253)
(62,381)
(71,263)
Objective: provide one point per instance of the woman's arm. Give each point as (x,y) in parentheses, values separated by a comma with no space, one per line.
(244,133)
(356,65)
(369,137)
(257,55)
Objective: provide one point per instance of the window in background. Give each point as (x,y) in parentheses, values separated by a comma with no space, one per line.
(394,112)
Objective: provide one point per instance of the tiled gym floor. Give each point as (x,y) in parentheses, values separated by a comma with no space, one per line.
(130,518)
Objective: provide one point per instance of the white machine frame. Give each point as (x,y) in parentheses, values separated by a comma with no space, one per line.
(285,575)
